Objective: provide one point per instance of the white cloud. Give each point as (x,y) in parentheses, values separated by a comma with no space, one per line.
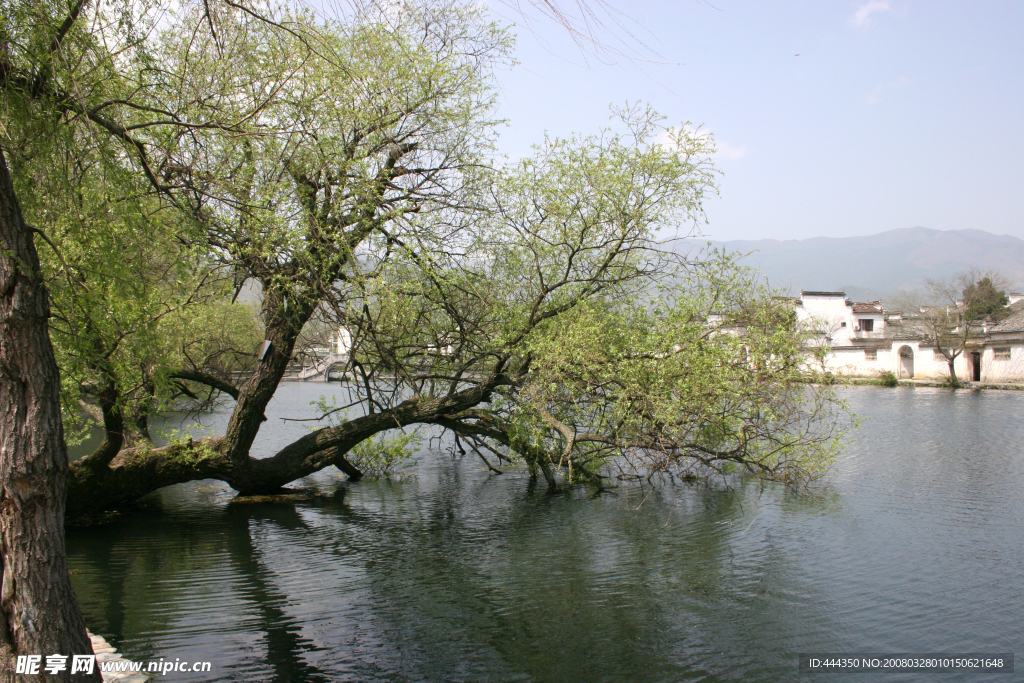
(862,17)
(876,93)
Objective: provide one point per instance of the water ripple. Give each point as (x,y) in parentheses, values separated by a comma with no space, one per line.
(453,574)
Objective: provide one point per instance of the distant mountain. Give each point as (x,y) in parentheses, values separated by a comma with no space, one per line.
(873,266)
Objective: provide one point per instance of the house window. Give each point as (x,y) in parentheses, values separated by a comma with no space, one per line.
(842,324)
(870,354)
(1001,353)
(867,325)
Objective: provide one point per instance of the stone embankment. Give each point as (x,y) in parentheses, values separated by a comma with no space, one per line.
(105,652)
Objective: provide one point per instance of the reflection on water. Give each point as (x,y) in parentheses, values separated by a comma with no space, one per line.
(454,574)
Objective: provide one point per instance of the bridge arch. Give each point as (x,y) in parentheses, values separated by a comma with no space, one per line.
(335,372)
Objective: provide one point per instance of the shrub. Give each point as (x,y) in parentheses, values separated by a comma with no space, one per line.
(887,378)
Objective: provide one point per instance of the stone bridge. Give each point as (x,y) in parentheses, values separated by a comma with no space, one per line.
(322,368)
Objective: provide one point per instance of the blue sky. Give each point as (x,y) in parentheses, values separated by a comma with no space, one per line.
(894,114)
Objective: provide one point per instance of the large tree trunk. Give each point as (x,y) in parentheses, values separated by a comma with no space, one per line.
(283,328)
(39,614)
(111,477)
(97,485)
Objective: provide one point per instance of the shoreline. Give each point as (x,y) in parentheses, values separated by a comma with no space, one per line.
(105,652)
(937,384)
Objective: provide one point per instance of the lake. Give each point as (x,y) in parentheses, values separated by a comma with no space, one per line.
(915,543)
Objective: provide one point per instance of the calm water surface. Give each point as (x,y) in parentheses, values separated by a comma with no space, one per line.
(454,574)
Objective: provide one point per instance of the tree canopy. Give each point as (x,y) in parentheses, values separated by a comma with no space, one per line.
(344,170)
(983,300)
(166,157)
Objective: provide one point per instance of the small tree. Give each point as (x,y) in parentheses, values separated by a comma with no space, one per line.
(983,300)
(950,312)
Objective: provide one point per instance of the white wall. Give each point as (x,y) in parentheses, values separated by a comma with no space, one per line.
(852,362)
(833,316)
(342,342)
(827,314)
(1011,370)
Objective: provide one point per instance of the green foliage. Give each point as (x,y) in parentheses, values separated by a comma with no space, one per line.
(887,378)
(373,125)
(344,167)
(182,443)
(706,373)
(126,267)
(619,355)
(382,455)
(578,220)
(133,295)
(983,300)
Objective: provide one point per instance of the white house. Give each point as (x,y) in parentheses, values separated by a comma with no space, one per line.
(856,332)
(839,321)
(1000,356)
(865,340)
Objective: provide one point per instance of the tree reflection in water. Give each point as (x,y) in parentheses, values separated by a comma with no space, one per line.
(458,574)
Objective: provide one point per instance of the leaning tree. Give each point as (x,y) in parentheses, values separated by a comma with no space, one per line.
(343,168)
(379,124)
(535,313)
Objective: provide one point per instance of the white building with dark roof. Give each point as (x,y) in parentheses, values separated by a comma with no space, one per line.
(856,332)
(1001,355)
(865,340)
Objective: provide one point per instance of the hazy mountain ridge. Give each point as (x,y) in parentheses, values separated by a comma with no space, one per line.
(873,266)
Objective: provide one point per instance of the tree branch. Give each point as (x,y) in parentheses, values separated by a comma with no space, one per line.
(207,379)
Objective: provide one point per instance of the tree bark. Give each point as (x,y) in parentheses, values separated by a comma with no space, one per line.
(96,485)
(283,328)
(39,614)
